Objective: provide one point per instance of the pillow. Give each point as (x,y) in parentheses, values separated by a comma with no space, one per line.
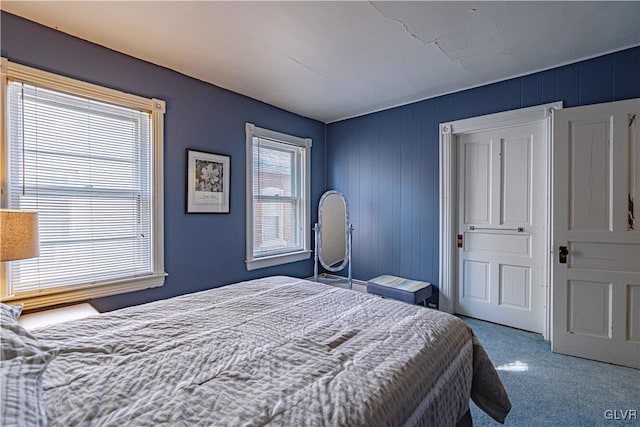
(23,360)
(9,313)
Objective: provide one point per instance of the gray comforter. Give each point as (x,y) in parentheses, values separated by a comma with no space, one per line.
(273,351)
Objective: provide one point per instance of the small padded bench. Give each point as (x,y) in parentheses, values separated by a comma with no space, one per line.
(407,290)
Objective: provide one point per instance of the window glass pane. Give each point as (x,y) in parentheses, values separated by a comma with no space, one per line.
(85,167)
(275,226)
(274,168)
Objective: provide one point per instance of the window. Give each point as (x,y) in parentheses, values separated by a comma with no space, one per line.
(278,206)
(88,160)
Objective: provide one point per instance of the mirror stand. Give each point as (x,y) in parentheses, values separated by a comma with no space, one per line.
(348,280)
(333,238)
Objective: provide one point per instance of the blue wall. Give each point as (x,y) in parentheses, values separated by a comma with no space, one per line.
(386,163)
(201,250)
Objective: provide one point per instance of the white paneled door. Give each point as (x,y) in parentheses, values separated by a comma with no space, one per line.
(501,222)
(596,267)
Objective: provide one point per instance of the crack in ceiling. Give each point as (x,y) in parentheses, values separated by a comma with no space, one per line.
(404,26)
(438,44)
(435,42)
(302,64)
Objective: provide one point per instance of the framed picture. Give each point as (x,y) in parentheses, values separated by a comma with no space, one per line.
(208,182)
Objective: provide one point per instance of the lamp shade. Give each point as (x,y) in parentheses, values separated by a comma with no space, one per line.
(18,235)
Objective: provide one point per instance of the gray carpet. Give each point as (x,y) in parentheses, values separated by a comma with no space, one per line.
(552,389)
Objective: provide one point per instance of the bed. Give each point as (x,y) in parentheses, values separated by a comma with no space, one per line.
(274,351)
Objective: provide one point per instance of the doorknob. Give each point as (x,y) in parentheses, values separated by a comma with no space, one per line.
(563,254)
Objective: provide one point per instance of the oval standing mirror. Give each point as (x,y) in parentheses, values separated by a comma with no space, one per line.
(333,236)
(333,221)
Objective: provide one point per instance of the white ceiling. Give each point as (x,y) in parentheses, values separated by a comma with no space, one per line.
(334,60)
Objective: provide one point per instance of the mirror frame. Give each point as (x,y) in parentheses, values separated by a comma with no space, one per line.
(345,261)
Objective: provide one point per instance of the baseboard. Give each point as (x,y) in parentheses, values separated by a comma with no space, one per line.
(335,276)
(358,285)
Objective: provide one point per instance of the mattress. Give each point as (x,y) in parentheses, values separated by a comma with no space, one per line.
(276,351)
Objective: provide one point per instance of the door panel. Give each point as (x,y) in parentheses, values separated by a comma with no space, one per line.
(590,177)
(515,286)
(604,256)
(589,308)
(476,280)
(633,212)
(595,293)
(633,308)
(477,194)
(516,182)
(501,211)
(479,241)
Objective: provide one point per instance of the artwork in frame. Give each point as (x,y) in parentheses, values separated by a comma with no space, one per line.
(208,182)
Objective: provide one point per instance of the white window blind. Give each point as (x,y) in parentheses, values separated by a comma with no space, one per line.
(278,216)
(85,167)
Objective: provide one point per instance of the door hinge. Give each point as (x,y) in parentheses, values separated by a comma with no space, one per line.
(459,240)
(630,214)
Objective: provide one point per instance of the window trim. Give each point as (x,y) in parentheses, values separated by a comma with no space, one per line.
(252,262)
(156,107)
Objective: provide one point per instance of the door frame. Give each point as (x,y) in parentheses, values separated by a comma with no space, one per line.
(448,259)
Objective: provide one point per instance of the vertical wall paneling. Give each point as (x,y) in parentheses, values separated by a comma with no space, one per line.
(384,154)
(568,85)
(515,95)
(418,161)
(478,101)
(531,90)
(549,86)
(497,97)
(626,69)
(365,181)
(596,83)
(401,194)
(394,170)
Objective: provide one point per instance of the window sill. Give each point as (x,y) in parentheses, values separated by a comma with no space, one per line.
(62,296)
(269,261)
(44,318)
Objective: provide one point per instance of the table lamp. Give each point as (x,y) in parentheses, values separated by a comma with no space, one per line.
(18,234)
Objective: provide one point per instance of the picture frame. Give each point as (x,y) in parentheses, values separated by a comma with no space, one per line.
(208,182)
